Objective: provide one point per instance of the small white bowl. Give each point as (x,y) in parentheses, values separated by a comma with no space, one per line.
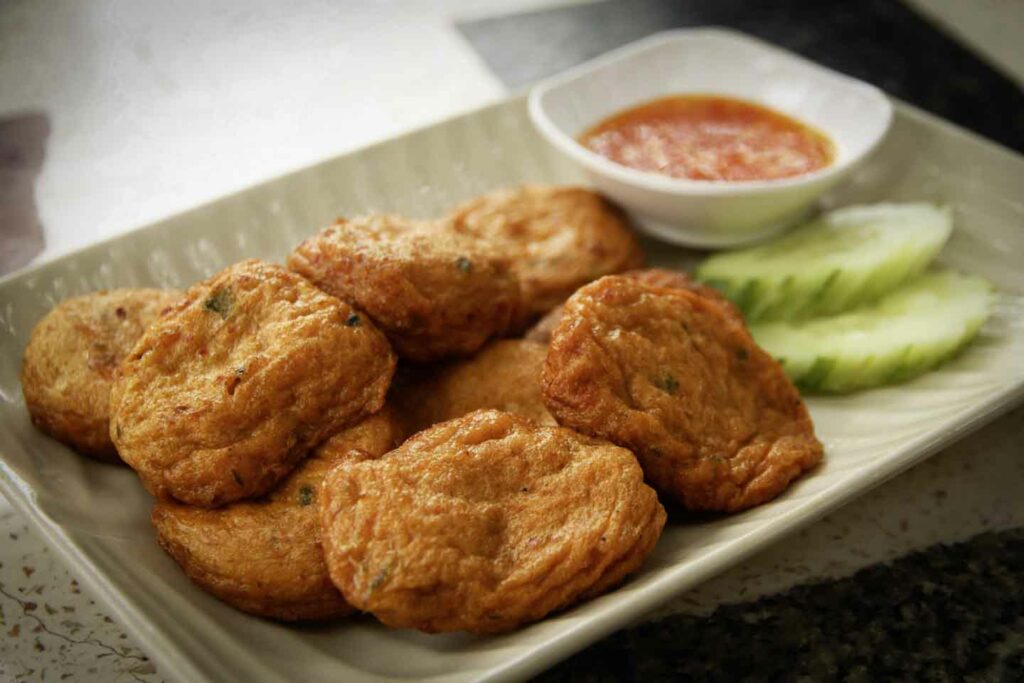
(702,213)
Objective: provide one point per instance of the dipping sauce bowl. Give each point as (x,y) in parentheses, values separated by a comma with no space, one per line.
(710,213)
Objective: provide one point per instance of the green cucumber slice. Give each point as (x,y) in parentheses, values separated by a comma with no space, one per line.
(842,259)
(904,334)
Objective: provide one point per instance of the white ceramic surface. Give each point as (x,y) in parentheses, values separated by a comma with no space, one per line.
(852,113)
(95,516)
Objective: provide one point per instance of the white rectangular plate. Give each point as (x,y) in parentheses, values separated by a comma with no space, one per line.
(97,516)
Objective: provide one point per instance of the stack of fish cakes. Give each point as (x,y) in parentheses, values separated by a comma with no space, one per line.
(376,427)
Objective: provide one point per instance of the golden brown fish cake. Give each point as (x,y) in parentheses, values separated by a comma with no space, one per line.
(558,238)
(435,294)
(504,375)
(70,361)
(676,378)
(264,556)
(484,523)
(656,277)
(675,279)
(227,392)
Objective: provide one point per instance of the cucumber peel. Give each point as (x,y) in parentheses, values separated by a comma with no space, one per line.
(843,259)
(901,336)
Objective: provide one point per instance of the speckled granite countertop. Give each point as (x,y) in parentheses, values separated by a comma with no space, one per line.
(948,613)
(50,629)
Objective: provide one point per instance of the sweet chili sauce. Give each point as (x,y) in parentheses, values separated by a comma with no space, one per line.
(708,137)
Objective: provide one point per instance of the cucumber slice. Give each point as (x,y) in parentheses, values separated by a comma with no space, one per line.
(904,334)
(838,261)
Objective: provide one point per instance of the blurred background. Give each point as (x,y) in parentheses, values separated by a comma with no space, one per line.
(144,108)
(116,113)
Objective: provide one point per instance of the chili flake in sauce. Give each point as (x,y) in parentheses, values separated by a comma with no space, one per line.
(707,137)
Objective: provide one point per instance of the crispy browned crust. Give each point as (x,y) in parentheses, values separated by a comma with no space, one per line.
(226,393)
(656,277)
(70,361)
(435,294)
(484,523)
(504,375)
(675,279)
(558,238)
(675,377)
(264,557)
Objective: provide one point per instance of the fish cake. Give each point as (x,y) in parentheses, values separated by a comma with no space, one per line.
(227,392)
(505,375)
(70,361)
(434,294)
(264,556)
(657,277)
(677,379)
(484,523)
(558,238)
(675,279)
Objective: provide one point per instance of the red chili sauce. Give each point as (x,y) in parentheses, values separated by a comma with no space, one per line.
(707,137)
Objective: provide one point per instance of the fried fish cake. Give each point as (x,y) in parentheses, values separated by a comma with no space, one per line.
(435,294)
(264,556)
(558,238)
(228,391)
(505,375)
(484,523)
(677,379)
(675,279)
(70,361)
(656,277)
